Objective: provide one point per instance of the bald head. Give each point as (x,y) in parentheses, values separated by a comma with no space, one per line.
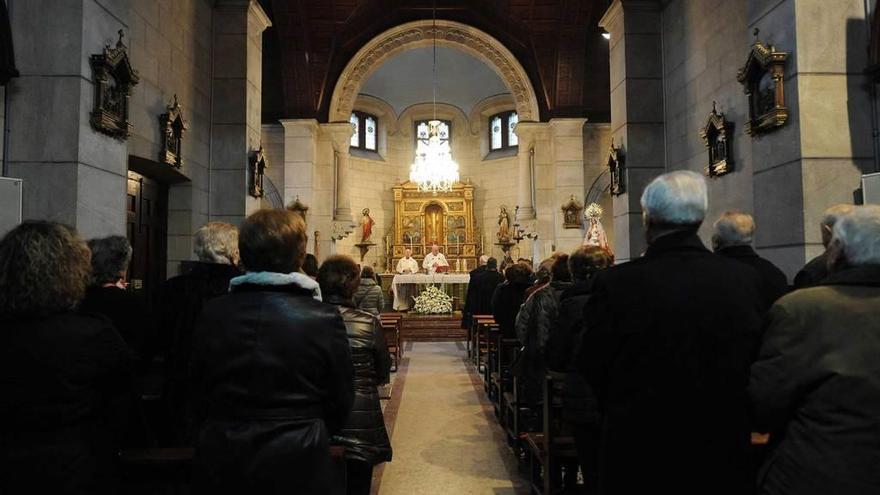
(734,228)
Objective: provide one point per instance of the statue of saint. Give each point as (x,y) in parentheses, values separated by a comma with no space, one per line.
(367,223)
(503,225)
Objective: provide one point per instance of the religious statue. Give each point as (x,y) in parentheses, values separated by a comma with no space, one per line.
(367,223)
(595,235)
(503,225)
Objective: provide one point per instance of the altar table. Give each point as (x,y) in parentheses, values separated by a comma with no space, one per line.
(404,285)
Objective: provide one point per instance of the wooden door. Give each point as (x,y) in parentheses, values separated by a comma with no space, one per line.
(147,229)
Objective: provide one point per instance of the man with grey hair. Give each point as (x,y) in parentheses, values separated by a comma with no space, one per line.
(667,345)
(733,236)
(816,384)
(817,268)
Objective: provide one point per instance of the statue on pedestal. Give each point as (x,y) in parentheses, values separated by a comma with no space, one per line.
(503,226)
(367,223)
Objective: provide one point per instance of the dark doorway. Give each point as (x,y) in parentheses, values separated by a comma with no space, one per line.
(147,229)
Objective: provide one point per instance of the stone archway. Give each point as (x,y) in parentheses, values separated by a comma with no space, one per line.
(421,33)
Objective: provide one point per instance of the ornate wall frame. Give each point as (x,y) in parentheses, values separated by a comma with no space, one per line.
(572,213)
(717,135)
(257,166)
(616,163)
(113,78)
(172,126)
(762,77)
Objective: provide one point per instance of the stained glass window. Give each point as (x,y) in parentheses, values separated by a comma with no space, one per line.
(370,133)
(501,133)
(422,130)
(495,132)
(366,131)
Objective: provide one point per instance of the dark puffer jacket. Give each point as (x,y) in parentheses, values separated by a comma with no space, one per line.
(273,379)
(506,301)
(533,323)
(369,297)
(364,434)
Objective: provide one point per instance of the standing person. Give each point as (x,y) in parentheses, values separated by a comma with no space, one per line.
(534,322)
(62,371)
(509,296)
(364,435)
(667,347)
(272,371)
(369,295)
(434,260)
(469,300)
(407,264)
(485,287)
(817,269)
(816,384)
(732,239)
(181,300)
(580,410)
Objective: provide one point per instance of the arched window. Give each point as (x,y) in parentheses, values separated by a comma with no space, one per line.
(366,130)
(501,135)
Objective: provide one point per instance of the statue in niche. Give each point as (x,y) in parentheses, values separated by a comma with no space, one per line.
(367,223)
(503,225)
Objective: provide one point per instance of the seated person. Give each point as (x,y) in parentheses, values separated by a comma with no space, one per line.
(434,260)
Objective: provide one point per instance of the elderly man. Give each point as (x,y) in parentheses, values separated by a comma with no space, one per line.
(407,264)
(434,260)
(816,384)
(732,239)
(470,298)
(668,342)
(817,269)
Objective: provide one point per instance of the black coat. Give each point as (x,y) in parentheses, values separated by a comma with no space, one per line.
(273,379)
(774,283)
(813,272)
(506,301)
(364,435)
(816,388)
(180,303)
(563,348)
(667,348)
(64,378)
(470,296)
(129,313)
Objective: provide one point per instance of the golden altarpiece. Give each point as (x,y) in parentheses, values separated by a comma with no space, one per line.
(446,219)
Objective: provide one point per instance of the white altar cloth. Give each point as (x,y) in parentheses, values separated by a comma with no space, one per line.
(404,285)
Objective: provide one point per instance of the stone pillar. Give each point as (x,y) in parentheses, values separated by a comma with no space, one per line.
(72,173)
(567,143)
(525,133)
(301,179)
(340,138)
(236,105)
(636,111)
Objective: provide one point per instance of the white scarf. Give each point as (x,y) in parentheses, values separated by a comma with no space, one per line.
(277,279)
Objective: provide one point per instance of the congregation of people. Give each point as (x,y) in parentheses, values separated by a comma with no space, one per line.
(266,358)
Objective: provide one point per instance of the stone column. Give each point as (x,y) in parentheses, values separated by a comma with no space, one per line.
(525,133)
(236,104)
(636,111)
(340,138)
(567,143)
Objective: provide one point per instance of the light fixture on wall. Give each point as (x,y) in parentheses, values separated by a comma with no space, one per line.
(434,169)
(606,34)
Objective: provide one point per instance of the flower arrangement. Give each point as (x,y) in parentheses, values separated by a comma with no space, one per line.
(433,301)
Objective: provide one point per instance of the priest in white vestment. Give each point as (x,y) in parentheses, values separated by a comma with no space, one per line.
(434,259)
(407,264)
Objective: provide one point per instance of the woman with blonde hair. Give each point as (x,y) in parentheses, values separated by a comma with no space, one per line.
(60,368)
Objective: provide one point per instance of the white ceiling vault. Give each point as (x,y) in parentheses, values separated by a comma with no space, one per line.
(406,79)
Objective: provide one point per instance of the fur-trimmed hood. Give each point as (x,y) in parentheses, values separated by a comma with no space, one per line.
(274,279)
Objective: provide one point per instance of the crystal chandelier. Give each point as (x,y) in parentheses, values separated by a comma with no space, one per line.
(434,170)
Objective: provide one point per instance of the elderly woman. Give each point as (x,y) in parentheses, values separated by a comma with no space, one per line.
(272,371)
(108,296)
(60,368)
(369,295)
(364,435)
(816,384)
(509,296)
(180,302)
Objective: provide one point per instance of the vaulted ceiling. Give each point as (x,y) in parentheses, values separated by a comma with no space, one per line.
(557,41)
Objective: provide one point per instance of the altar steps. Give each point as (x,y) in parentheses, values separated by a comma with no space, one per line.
(432,328)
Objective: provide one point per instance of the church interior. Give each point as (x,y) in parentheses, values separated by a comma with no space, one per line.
(476,162)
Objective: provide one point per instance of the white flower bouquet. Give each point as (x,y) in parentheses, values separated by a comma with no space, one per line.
(433,301)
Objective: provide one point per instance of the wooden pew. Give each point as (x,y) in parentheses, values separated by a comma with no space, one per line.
(553,446)
(501,376)
(392,341)
(474,337)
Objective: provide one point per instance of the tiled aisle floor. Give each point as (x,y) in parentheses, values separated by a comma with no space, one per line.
(445,438)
